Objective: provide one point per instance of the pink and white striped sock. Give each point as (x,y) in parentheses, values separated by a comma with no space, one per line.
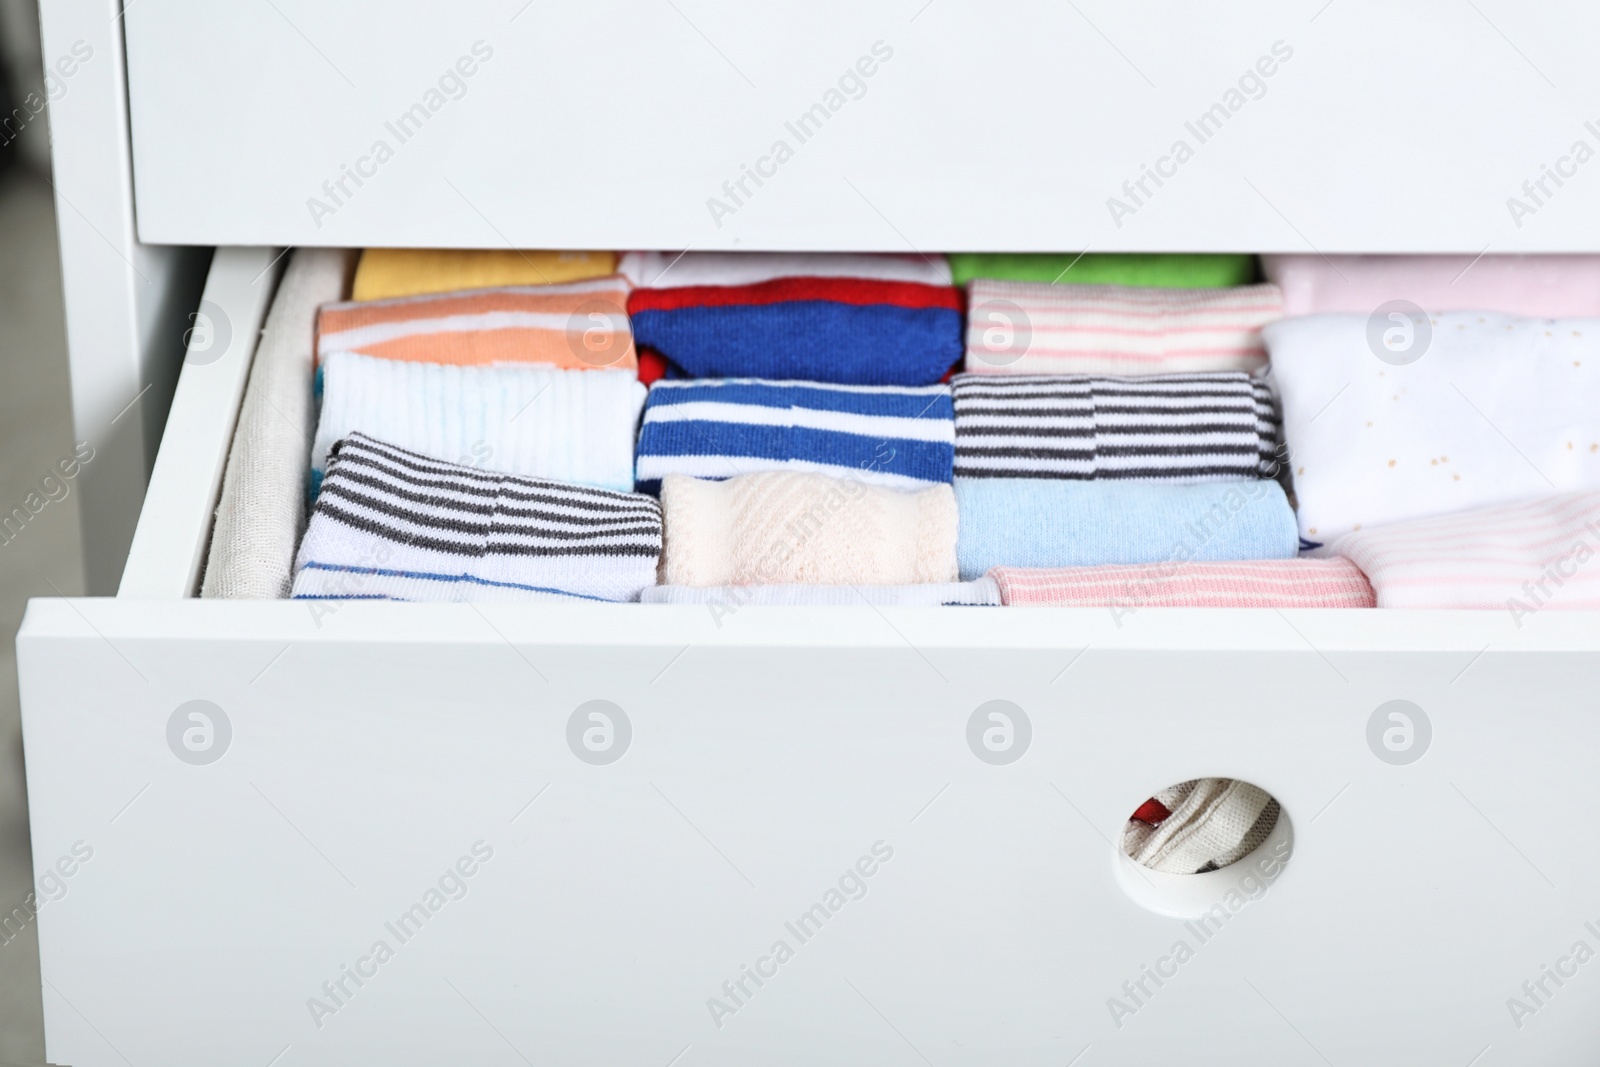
(1266,583)
(1035,328)
(1544,553)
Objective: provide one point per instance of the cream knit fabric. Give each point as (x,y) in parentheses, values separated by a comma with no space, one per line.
(263,505)
(787,526)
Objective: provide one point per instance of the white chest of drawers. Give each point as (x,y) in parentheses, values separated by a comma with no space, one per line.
(230,911)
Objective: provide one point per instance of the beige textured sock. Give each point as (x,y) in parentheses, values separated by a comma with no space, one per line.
(788,526)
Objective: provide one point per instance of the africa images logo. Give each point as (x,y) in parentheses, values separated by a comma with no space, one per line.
(199,732)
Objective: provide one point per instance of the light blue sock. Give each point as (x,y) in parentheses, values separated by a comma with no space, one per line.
(1043,522)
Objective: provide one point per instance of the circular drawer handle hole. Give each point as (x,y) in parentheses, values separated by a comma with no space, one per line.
(1204,846)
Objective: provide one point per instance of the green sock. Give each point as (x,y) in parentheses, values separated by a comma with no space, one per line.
(1181,270)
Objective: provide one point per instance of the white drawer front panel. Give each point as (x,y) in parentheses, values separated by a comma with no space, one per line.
(1351,126)
(600,907)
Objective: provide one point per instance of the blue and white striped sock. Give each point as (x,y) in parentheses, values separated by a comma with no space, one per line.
(898,436)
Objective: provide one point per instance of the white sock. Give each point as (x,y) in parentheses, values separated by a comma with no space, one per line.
(568,425)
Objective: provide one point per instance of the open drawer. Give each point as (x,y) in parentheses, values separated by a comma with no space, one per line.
(344,832)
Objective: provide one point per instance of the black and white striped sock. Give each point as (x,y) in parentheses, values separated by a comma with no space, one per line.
(1177,428)
(392,523)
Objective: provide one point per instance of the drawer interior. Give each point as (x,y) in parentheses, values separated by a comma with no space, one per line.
(175,525)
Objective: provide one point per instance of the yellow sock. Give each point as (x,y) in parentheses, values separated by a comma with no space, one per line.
(391,272)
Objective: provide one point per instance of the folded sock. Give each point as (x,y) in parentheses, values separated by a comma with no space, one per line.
(1038,328)
(780,527)
(726,599)
(390,272)
(716,428)
(1174,428)
(569,425)
(1265,583)
(1519,557)
(673,270)
(1167,270)
(1208,823)
(1496,409)
(263,504)
(579,325)
(1040,522)
(844,330)
(1545,286)
(389,522)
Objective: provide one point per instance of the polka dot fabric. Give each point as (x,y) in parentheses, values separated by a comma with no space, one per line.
(1496,409)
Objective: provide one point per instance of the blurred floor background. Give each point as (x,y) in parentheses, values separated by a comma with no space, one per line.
(35,430)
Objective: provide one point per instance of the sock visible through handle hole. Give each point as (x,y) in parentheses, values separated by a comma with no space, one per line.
(1200,825)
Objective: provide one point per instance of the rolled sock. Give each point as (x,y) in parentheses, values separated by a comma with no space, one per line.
(391,272)
(672,270)
(1167,270)
(1495,410)
(781,527)
(726,599)
(1174,428)
(1038,522)
(844,330)
(263,504)
(1037,328)
(1265,583)
(1520,558)
(569,425)
(390,522)
(1542,286)
(577,325)
(1211,822)
(902,436)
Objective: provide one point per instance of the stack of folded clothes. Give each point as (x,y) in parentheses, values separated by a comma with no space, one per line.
(1461,470)
(1124,430)
(1112,434)
(476,433)
(802,442)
